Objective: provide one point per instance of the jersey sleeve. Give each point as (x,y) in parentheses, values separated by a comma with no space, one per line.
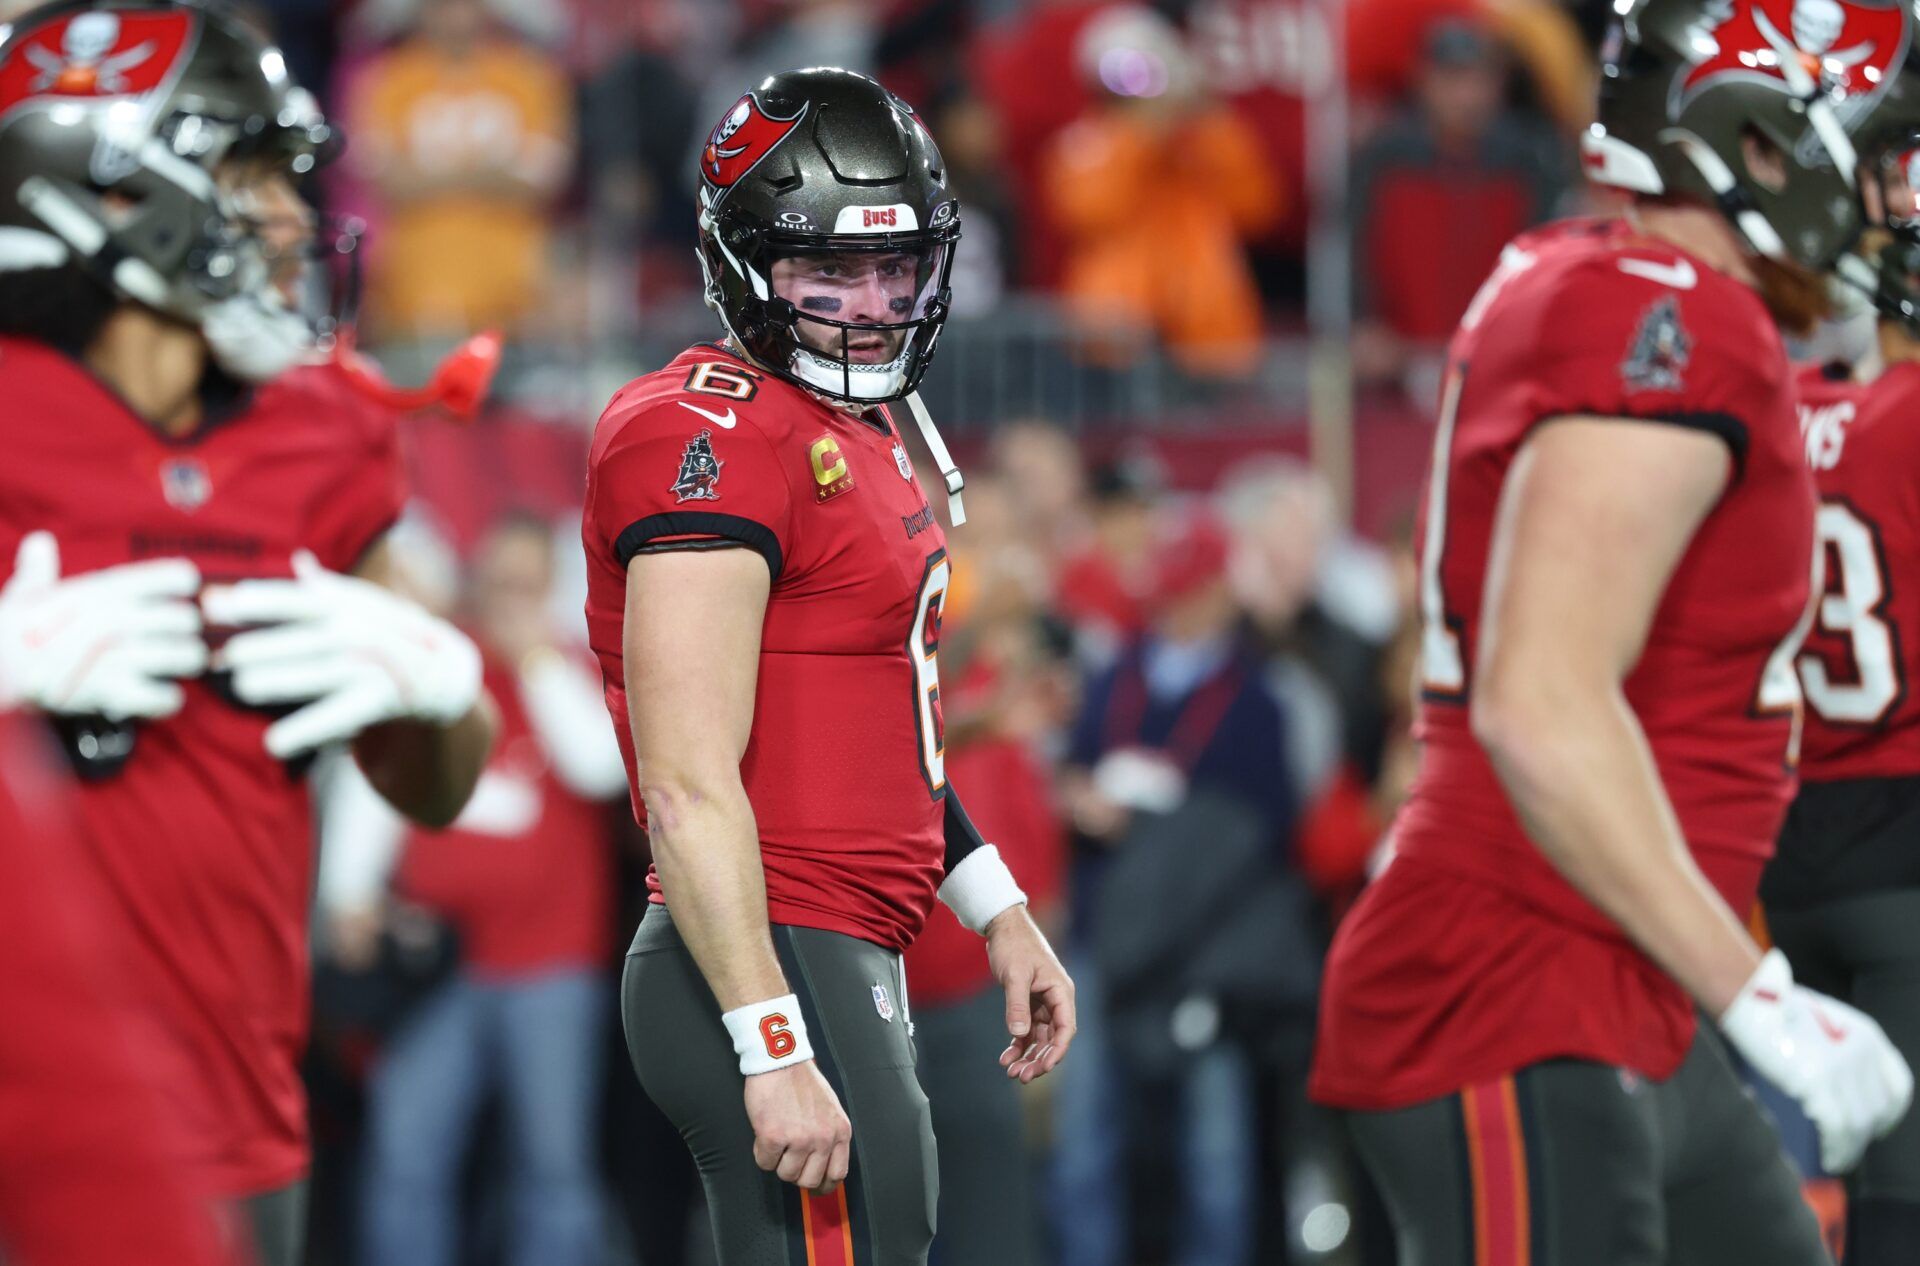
(680,483)
(1655,340)
(366,500)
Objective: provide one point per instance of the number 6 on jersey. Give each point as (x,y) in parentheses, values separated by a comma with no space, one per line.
(923,649)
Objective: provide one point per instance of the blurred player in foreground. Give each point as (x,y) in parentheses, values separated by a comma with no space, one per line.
(166,440)
(1615,554)
(765,587)
(1843,892)
(86,1149)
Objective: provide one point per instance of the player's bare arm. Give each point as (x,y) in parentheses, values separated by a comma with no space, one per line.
(692,657)
(425,770)
(1593,519)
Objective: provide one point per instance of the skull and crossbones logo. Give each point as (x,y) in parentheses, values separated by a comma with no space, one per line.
(86,64)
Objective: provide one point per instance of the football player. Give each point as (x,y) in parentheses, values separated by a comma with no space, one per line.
(1615,552)
(1842,894)
(175,475)
(765,586)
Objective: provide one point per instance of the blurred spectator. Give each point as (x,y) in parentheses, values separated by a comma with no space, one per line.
(1189,937)
(1040,464)
(636,117)
(1101,588)
(523,880)
(1438,192)
(1004,699)
(1157,189)
(464,134)
(986,258)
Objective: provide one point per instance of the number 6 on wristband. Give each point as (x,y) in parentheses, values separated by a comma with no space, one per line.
(768,1035)
(778,1037)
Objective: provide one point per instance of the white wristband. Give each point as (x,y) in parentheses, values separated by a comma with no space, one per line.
(979,888)
(768,1035)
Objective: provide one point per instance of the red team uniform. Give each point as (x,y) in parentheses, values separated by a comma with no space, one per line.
(1470,957)
(845,767)
(1863,443)
(87,1153)
(204,839)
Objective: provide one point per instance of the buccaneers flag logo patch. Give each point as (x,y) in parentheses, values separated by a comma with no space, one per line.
(1849,49)
(1661,347)
(699,477)
(747,135)
(99,53)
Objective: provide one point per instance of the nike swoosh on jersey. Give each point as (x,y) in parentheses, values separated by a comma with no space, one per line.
(1678,275)
(725,420)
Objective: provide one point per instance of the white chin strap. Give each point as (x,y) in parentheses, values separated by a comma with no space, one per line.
(1756,228)
(862,382)
(254,340)
(941,458)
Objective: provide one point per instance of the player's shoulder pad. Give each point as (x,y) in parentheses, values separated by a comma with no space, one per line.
(703,387)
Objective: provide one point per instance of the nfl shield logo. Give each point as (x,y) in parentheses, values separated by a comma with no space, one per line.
(900,460)
(882,1003)
(185,484)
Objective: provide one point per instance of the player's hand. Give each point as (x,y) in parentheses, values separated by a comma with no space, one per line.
(111,643)
(799,1130)
(356,654)
(1040,1020)
(1830,1058)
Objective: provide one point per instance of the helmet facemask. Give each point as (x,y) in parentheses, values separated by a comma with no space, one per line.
(851,316)
(1885,267)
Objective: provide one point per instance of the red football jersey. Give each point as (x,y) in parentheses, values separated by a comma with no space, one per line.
(1471,957)
(845,766)
(204,838)
(1863,442)
(86,1149)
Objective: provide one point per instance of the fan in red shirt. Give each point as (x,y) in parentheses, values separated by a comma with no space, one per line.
(1843,893)
(86,1146)
(168,439)
(1615,554)
(765,586)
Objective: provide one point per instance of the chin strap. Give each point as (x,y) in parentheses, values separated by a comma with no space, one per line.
(941,458)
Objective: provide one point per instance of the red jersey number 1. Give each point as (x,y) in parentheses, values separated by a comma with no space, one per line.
(923,650)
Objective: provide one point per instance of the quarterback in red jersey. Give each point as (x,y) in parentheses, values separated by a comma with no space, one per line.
(1615,555)
(1842,894)
(176,476)
(765,587)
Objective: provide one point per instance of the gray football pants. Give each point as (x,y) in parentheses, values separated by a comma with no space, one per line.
(1572,1163)
(853,998)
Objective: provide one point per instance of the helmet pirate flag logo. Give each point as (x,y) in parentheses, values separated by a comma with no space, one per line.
(745,136)
(699,477)
(95,54)
(1850,50)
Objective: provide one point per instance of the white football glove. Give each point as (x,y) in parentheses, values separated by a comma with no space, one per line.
(356,654)
(1829,1057)
(108,643)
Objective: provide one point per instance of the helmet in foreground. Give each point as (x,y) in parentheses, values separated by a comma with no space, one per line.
(116,117)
